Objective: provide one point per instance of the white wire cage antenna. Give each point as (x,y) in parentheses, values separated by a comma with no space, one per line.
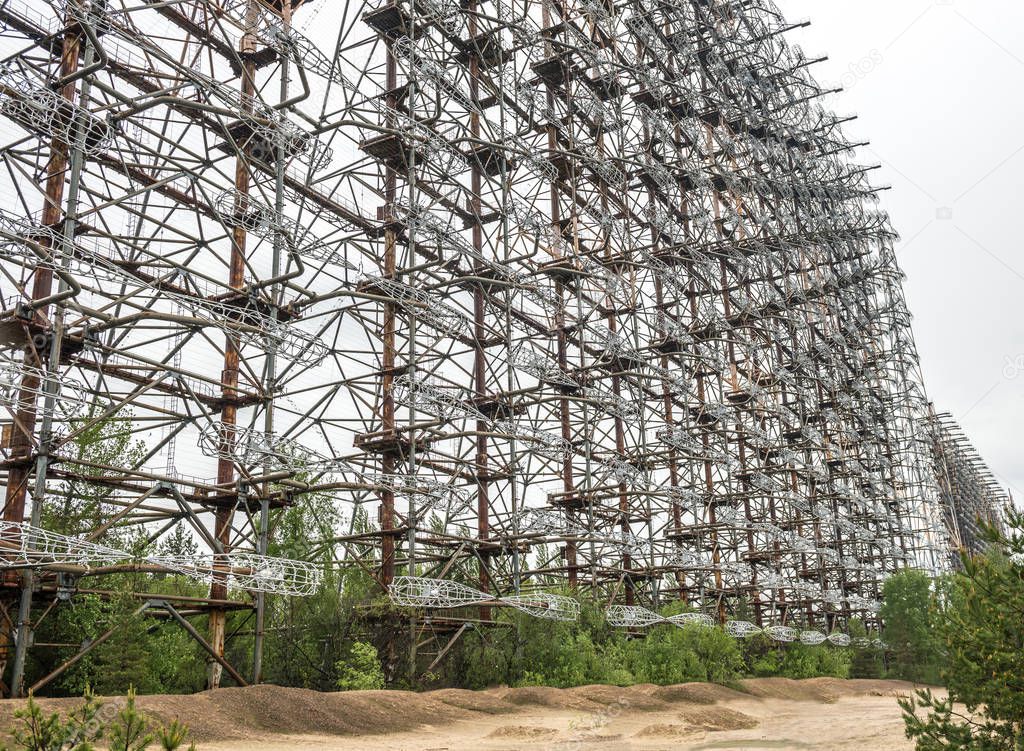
(440,232)
(858,602)
(812,638)
(687,499)
(679,438)
(737,570)
(742,629)
(542,442)
(289,340)
(783,634)
(427,308)
(548,521)
(623,472)
(527,359)
(431,494)
(839,639)
(631,616)
(263,573)
(545,605)
(12,389)
(23,545)
(614,405)
(422,592)
(431,398)
(248,571)
(691,619)
(43,111)
(690,560)
(249,446)
(629,543)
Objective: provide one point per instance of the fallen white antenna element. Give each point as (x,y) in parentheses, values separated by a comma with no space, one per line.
(692,619)
(422,592)
(634,616)
(839,639)
(742,629)
(782,633)
(812,638)
(631,616)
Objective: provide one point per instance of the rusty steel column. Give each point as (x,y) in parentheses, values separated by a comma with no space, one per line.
(479,328)
(232,358)
(38,338)
(389,456)
(42,286)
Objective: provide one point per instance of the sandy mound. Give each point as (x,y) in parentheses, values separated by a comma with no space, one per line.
(260,712)
(697,693)
(549,698)
(486,702)
(791,690)
(257,711)
(632,697)
(667,731)
(717,718)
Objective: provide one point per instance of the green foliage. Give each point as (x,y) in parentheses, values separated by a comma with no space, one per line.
(909,613)
(866,662)
(669,655)
(765,658)
(130,729)
(172,737)
(531,651)
(80,505)
(310,638)
(36,731)
(361,669)
(982,631)
(156,657)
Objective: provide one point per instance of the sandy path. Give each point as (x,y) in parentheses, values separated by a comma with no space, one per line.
(635,721)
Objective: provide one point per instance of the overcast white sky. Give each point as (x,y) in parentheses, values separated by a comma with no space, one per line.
(938,86)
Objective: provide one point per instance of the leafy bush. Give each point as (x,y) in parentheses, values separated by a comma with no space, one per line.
(801,661)
(531,651)
(669,655)
(534,651)
(982,632)
(361,669)
(765,658)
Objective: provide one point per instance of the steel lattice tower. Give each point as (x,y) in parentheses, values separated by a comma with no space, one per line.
(590,295)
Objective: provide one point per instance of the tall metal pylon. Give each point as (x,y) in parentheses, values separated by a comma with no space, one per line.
(540,293)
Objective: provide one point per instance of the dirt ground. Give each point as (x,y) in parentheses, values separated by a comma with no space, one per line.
(770,713)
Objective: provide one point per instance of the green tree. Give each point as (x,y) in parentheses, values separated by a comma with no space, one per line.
(130,729)
(766,658)
(35,731)
(80,506)
(982,630)
(360,670)
(910,632)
